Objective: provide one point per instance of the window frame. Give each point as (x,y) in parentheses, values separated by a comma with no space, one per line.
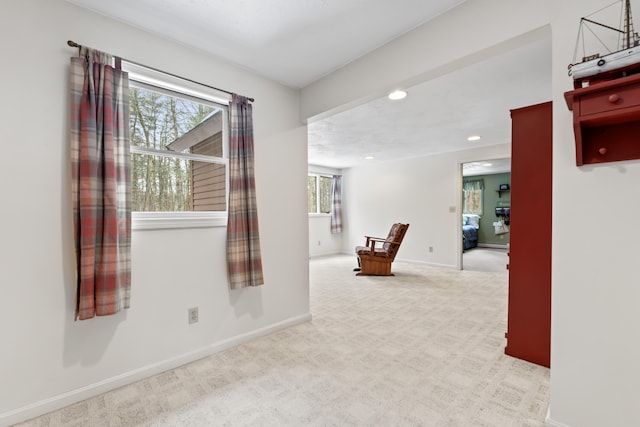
(318,175)
(153,80)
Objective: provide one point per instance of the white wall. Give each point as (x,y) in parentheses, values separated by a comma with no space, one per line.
(47,359)
(595,340)
(595,316)
(595,344)
(321,240)
(418,191)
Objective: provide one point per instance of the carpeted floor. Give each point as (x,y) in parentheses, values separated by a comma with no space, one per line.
(423,348)
(485,259)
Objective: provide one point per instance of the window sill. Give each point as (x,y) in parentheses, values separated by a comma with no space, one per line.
(319,215)
(176,220)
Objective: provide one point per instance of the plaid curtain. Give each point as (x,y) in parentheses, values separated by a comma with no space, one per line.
(336,204)
(243,240)
(99,146)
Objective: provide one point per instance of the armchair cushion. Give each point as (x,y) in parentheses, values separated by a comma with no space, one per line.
(365,250)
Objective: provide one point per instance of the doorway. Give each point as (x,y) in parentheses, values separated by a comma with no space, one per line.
(485,208)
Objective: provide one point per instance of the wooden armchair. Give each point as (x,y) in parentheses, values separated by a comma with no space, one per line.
(375,260)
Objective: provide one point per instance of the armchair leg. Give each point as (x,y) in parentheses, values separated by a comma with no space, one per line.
(359,267)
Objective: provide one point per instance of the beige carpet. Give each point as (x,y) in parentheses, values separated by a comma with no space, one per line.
(485,259)
(424,348)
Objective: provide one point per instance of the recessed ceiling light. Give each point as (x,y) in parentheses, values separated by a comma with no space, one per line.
(473,138)
(369,158)
(397,94)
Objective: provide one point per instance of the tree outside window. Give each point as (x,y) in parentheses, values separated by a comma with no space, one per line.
(177,159)
(319,193)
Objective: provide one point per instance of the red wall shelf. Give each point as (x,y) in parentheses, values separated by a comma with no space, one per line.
(606,120)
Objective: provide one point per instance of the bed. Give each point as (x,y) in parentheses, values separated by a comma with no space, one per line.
(470,226)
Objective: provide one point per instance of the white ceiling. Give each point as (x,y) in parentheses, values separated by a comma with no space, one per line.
(486,167)
(296,42)
(438,115)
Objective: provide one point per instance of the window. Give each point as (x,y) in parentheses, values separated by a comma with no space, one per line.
(178,147)
(319,193)
(472,196)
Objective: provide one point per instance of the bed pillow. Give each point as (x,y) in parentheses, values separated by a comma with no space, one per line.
(473,220)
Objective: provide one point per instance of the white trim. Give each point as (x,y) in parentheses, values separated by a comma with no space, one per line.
(136,81)
(140,74)
(60,401)
(410,261)
(325,254)
(179,155)
(177,220)
(493,245)
(432,264)
(548,422)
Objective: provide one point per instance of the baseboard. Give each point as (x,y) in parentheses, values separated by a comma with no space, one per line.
(60,401)
(326,254)
(493,245)
(548,422)
(431,264)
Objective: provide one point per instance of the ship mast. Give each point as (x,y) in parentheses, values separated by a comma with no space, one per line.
(628,27)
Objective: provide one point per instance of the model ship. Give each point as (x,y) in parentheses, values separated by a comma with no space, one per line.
(625,59)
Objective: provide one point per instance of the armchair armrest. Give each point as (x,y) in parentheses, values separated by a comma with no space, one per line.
(371,242)
(373,239)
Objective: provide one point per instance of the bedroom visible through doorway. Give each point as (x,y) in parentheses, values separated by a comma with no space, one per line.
(485,214)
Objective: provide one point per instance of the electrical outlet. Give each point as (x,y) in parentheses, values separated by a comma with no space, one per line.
(430,248)
(193,315)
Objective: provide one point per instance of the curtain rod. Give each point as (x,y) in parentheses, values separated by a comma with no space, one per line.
(71,43)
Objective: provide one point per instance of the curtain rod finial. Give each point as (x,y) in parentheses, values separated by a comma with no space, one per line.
(73,44)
